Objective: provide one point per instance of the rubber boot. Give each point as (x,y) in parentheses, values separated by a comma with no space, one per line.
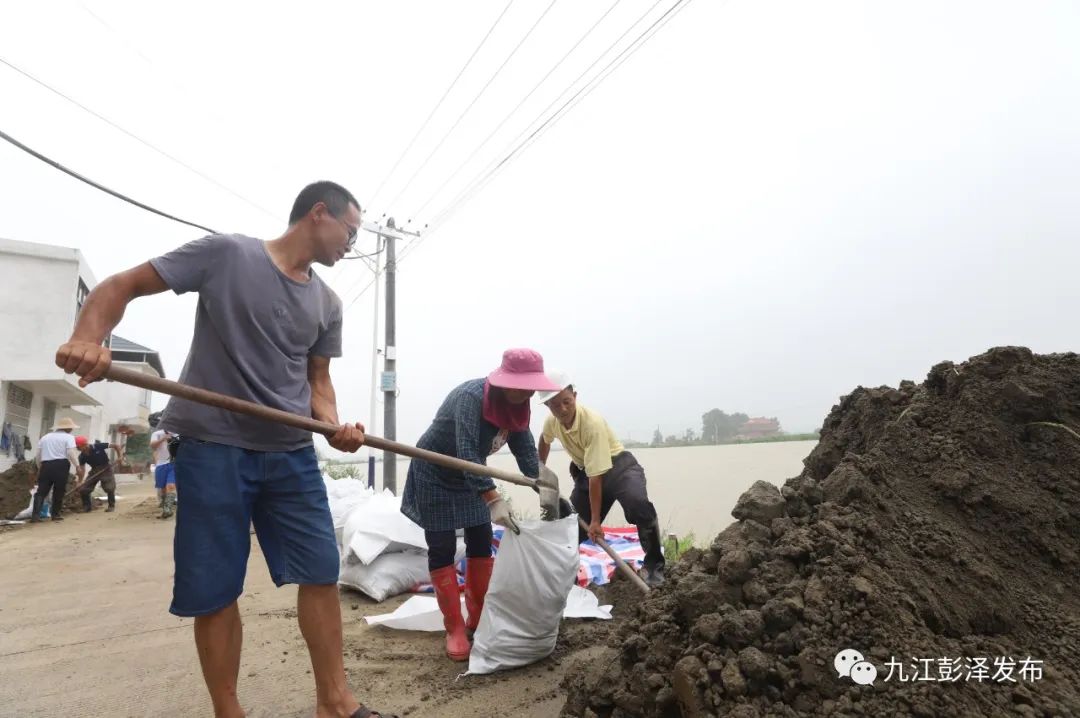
(649,535)
(112,501)
(168,505)
(449,597)
(477,578)
(87,504)
(35,514)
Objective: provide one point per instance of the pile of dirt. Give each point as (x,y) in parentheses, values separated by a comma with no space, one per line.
(933,525)
(15,486)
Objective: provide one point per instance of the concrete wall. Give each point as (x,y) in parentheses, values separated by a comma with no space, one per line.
(37,306)
(83,420)
(38,292)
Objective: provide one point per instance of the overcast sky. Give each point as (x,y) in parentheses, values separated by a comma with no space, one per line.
(767,205)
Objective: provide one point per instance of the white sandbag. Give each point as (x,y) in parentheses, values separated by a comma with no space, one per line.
(527,595)
(583,603)
(388,575)
(419,613)
(343,496)
(25,513)
(376,527)
(341,505)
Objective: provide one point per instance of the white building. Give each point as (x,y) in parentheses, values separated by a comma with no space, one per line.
(42,290)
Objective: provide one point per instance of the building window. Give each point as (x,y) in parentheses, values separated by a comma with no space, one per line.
(18,409)
(144,399)
(80,297)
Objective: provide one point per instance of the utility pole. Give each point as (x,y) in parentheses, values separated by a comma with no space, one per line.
(387,235)
(373,420)
(389,382)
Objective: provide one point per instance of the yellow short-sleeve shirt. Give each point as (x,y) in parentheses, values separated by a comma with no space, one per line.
(590,441)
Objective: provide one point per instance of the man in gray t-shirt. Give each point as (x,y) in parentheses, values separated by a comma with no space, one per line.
(266,328)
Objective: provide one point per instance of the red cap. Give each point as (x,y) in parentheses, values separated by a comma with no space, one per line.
(81,441)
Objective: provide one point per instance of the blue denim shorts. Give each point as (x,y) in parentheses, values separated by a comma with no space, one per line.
(226,489)
(164,474)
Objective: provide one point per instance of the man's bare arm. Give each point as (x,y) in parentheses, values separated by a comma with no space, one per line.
(83,354)
(543,449)
(349,437)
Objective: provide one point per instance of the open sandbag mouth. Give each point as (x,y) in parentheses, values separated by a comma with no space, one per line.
(934,532)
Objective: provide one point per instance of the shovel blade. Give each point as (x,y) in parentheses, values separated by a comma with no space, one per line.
(548,488)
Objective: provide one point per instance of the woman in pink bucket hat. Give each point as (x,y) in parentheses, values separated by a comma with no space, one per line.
(477,419)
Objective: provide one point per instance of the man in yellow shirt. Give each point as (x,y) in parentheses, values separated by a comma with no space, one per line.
(603,472)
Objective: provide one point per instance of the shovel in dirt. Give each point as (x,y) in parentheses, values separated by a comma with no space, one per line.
(547,485)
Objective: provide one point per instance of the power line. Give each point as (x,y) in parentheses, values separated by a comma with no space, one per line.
(580,95)
(363,291)
(378,229)
(471,104)
(512,112)
(358,255)
(495,165)
(629,50)
(138,139)
(439,104)
(482,179)
(96,185)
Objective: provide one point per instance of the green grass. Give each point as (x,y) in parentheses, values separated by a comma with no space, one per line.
(775,439)
(728,442)
(344,471)
(676,546)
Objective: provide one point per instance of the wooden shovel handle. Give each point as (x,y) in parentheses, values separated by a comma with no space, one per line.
(241,406)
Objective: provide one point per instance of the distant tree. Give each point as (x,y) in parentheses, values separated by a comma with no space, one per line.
(137,448)
(657,437)
(690,436)
(717,426)
(671,440)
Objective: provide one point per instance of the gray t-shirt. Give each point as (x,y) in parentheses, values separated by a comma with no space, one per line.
(254,330)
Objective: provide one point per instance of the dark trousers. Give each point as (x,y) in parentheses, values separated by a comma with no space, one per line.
(624,483)
(442,545)
(108,483)
(53,476)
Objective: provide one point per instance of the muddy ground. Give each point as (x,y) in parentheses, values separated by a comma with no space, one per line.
(85,631)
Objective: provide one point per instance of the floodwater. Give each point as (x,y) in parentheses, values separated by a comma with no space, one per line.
(693,488)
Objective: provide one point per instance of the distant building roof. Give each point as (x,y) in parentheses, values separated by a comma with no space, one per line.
(127,350)
(119,344)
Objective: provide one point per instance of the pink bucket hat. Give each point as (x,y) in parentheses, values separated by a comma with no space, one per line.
(522,369)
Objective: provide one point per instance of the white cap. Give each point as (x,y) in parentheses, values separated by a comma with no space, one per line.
(557,377)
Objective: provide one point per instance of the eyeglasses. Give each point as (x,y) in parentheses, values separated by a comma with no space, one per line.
(352,232)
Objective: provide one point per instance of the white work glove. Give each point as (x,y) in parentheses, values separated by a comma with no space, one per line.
(500,514)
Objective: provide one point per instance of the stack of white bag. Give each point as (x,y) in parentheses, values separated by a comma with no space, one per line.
(344,495)
(383,553)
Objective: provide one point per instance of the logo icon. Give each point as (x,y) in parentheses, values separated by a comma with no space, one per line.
(849,663)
